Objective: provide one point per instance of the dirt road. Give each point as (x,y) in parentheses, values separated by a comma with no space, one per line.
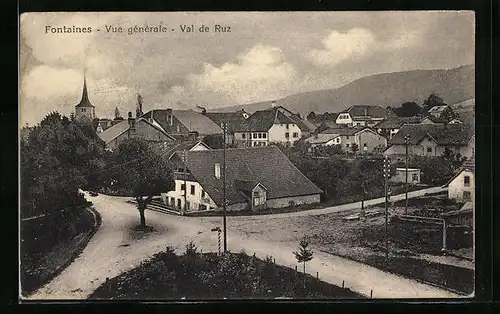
(115,248)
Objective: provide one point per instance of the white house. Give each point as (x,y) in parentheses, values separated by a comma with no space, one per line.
(461,187)
(433,140)
(257,178)
(323,140)
(400,177)
(361,115)
(365,138)
(274,125)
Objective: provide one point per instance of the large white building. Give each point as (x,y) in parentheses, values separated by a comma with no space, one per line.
(256,178)
(274,125)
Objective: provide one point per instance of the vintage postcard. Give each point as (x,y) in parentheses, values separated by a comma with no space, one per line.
(247,155)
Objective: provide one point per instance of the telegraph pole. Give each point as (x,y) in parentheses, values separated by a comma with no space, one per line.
(407,139)
(387,169)
(184,154)
(224,187)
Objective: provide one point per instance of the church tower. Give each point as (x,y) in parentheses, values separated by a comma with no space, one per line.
(84,110)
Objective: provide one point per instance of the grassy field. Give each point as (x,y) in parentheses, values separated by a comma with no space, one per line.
(417,245)
(208,276)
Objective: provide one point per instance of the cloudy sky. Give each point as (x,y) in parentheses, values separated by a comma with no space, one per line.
(265,56)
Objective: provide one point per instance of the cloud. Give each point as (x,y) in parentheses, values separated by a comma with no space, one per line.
(259,74)
(340,46)
(357,43)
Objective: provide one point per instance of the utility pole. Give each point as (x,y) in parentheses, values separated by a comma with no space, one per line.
(407,140)
(224,187)
(184,154)
(387,169)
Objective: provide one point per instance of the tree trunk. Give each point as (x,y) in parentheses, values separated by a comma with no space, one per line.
(143,217)
(141,206)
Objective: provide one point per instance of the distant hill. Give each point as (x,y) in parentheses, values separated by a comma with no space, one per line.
(388,89)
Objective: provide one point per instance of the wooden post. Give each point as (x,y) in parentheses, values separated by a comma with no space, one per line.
(371,294)
(343,284)
(317,275)
(274,261)
(443,249)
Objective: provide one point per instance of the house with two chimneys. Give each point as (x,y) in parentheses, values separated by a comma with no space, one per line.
(256,179)
(274,125)
(362,115)
(365,139)
(432,140)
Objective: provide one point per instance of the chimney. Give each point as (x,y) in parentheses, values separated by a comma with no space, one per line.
(366,111)
(131,121)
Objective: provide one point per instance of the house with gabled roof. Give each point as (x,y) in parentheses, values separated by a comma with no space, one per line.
(256,178)
(274,125)
(134,127)
(362,115)
(366,139)
(180,123)
(391,125)
(433,140)
(461,186)
(233,120)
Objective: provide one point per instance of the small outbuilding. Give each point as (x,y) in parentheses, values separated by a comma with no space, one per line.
(413,176)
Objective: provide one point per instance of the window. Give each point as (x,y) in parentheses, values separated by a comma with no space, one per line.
(365,148)
(264,135)
(295,134)
(347,145)
(193,189)
(179,203)
(260,135)
(414,177)
(466,181)
(172,201)
(243,135)
(202,193)
(287,135)
(169,120)
(183,187)
(347,137)
(254,135)
(188,205)
(429,149)
(217,170)
(287,126)
(466,195)
(337,140)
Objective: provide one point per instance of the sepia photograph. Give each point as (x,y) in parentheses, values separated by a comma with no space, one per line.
(191,156)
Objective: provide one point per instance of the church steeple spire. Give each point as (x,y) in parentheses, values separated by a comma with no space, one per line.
(85,102)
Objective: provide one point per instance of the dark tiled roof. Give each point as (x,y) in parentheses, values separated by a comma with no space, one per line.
(395,122)
(365,110)
(452,134)
(192,120)
(265,165)
(263,120)
(113,132)
(235,120)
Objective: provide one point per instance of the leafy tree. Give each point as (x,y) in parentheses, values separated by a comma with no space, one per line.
(431,101)
(311,116)
(354,148)
(191,249)
(147,173)
(56,159)
(303,255)
(407,109)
